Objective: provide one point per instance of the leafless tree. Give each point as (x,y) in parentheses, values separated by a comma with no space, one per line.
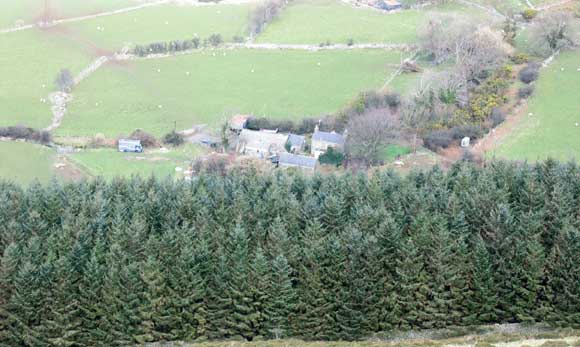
(64,80)
(419,109)
(551,32)
(369,132)
(264,14)
(472,46)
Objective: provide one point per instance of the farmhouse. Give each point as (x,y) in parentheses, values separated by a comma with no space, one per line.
(297,143)
(288,160)
(322,140)
(261,144)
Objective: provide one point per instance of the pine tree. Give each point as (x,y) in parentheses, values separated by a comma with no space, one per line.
(282,299)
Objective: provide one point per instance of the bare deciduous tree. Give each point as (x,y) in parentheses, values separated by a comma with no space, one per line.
(64,80)
(418,110)
(369,132)
(474,47)
(264,14)
(551,32)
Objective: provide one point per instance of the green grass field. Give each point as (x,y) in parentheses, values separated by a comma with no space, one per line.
(29,63)
(109,163)
(161,23)
(316,21)
(153,94)
(25,163)
(551,131)
(30,11)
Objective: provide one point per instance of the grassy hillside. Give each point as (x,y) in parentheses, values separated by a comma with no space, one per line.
(109,163)
(162,23)
(24,162)
(553,128)
(29,63)
(30,11)
(153,94)
(316,21)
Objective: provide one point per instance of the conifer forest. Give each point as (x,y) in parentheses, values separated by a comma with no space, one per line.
(335,257)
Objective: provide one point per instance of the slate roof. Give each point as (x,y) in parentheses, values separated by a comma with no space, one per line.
(302,161)
(328,137)
(263,140)
(296,140)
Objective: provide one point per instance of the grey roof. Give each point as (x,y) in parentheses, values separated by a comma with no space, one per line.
(328,137)
(263,140)
(296,140)
(288,159)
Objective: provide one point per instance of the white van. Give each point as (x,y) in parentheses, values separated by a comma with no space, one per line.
(130,146)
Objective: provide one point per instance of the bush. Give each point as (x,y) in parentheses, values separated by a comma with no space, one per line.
(497,117)
(350,42)
(469,130)
(332,157)
(215,40)
(147,140)
(530,73)
(438,139)
(520,58)
(173,138)
(238,39)
(526,91)
(21,132)
(529,14)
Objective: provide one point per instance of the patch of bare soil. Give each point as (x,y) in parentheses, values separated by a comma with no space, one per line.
(66,169)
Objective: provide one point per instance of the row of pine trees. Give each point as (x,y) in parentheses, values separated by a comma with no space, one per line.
(283,255)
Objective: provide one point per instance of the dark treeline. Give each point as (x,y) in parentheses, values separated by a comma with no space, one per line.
(322,257)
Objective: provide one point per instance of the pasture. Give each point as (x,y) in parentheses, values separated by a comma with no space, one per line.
(550,127)
(208,86)
(319,21)
(25,163)
(29,63)
(32,11)
(161,23)
(108,163)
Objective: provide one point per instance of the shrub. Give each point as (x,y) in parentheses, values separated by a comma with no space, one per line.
(526,91)
(21,132)
(147,140)
(497,117)
(173,138)
(238,39)
(215,40)
(529,14)
(331,157)
(469,130)
(530,73)
(438,139)
(350,42)
(520,58)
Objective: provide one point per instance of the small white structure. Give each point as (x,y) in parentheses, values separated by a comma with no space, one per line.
(130,146)
(465,142)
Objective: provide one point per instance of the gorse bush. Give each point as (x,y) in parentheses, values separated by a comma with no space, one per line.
(321,257)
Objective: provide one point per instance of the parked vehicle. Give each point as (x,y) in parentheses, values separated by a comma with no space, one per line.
(130,146)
